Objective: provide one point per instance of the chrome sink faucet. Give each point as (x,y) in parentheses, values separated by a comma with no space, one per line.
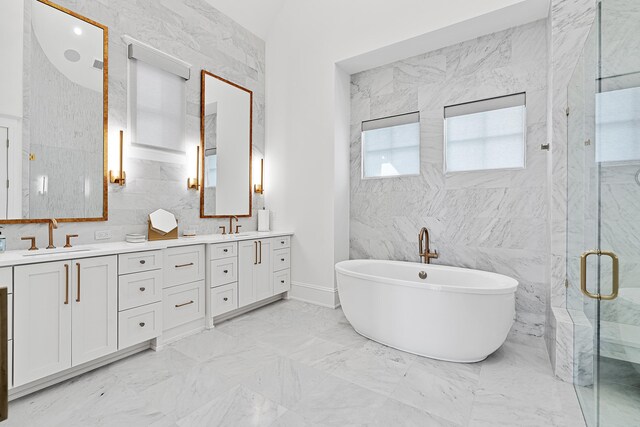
(423,247)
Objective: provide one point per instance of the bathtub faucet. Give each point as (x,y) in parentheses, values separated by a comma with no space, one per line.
(423,246)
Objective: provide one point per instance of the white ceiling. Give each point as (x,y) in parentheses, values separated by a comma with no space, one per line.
(255,15)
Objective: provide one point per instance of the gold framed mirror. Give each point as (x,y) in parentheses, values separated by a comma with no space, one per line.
(226,128)
(57,119)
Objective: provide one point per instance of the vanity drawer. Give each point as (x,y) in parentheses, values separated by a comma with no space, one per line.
(224,271)
(139,261)
(224,299)
(139,324)
(139,289)
(6,279)
(281,259)
(223,250)
(282,242)
(183,265)
(183,304)
(281,281)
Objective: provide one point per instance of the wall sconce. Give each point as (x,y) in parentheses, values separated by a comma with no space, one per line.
(259,186)
(194,183)
(120,177)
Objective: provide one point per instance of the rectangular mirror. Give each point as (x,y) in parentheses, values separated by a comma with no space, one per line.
(225,132)
(53,112)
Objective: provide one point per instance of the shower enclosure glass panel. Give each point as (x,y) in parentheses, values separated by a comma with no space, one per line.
(603,177)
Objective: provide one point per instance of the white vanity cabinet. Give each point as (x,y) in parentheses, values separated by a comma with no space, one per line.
(254,271)
(69,315)
(65,314)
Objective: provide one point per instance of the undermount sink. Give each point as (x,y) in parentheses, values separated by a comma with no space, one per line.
(56,251)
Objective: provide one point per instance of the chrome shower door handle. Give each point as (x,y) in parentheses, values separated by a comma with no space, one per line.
(615,273)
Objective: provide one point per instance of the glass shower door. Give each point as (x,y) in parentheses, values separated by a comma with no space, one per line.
(603,243)
(618,157)
(583,199)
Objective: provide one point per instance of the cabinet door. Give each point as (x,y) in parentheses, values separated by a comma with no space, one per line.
(42,320)
(247,261)
(263,271)
(94,308)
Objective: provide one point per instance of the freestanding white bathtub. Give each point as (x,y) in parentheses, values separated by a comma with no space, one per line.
(453,314)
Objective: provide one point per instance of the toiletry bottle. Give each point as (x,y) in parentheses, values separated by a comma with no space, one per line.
(3,243)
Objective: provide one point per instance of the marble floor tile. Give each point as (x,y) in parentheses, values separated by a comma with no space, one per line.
(396,413)
(336,402)
(344,334)
(149,367)
(441,388)
(266,369)
(322,354)
(619,405)
(238,407)
(291,419)
(284,381)
(186,391)
(371,371)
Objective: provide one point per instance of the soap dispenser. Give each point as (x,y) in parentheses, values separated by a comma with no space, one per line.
(3,243)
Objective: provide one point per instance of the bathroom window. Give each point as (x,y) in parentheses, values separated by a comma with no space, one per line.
(391,146)
(618,125)
(487,134)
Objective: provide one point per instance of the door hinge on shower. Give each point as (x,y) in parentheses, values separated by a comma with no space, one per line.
(566,283)
(567,111)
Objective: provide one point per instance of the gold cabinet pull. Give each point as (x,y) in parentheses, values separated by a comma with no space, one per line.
(78,266)
(184,265)
(615,280)
(183,304)
(66,284)
(255,255)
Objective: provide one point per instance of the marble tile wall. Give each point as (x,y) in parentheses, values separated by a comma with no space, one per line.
(197,33)
(490,220)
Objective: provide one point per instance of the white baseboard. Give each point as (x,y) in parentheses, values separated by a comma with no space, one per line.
(314,294)
(239,311)
(178,333)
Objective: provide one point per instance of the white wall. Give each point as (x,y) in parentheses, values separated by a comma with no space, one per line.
(303,167)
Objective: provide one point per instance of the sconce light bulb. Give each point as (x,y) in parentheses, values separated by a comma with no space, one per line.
(77,31)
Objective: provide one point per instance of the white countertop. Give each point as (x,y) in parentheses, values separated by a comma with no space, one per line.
(21,257)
